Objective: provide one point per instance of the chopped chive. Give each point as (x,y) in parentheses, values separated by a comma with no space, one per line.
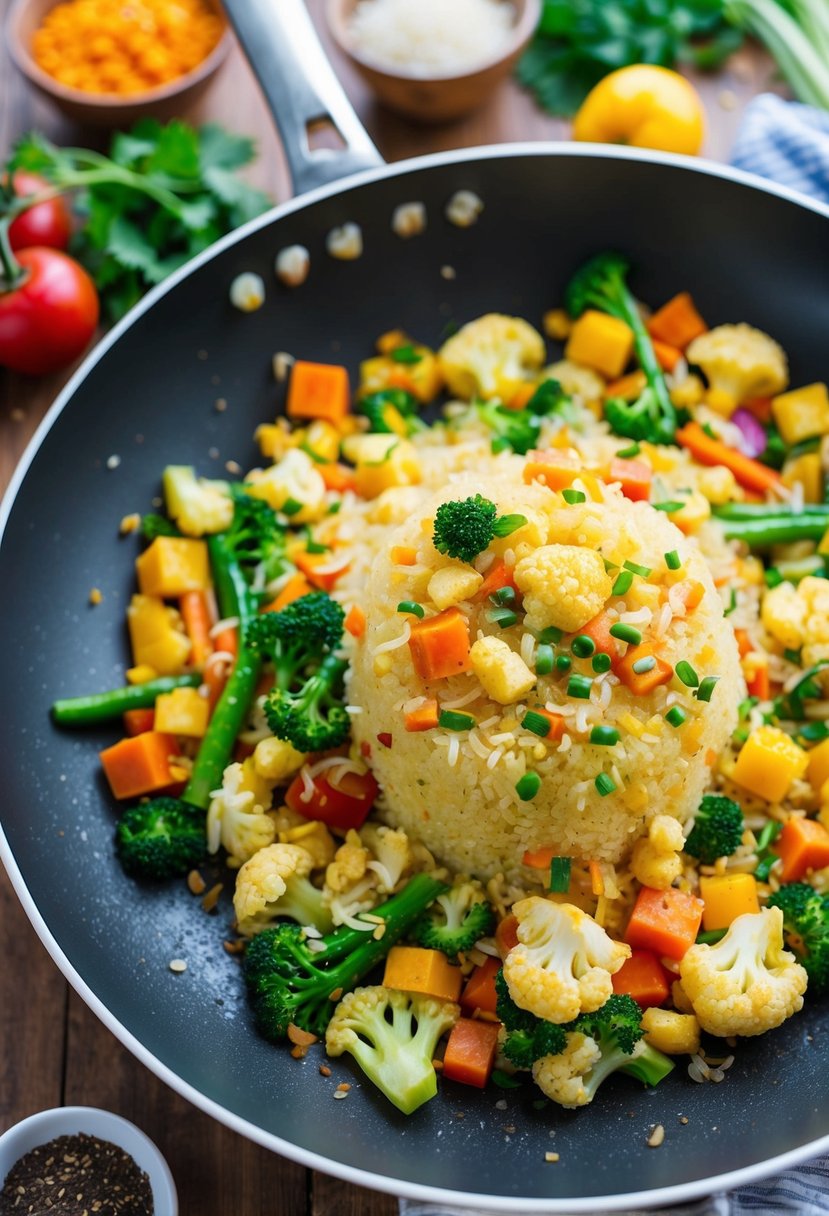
(672,560)
(623,583)
(709,430)
(537,723)
(609,565)
(502,617)
(626,633)
(642,571)
(606,736)
(528,786)
(668,507)
(411,607)
(451,719)
(604,784)
(314,546)
(550,634)
(706,688)
(792,656)
(500,445)
(583,646)
(773,577)
(563,662)
(646,664)
(573,496)
(687,674)
(676,715)
(406,354)
(629,453)
(507,524)
(334,508)
(601,662)
(560,875)
(504,595)
(544,660)
(732,603)
(291,506)
(579,686)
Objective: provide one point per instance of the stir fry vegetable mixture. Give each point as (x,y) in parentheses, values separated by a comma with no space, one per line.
(512,727)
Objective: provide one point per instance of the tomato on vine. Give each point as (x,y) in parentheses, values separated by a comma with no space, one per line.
(48,223)
(48,310)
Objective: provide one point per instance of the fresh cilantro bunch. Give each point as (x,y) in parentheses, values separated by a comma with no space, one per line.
(164,193)
(580,41)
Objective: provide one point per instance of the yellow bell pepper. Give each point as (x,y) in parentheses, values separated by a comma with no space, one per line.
(172,565)
(182,712)
(599,341)
(818,770)
(381,461)
(802,412)
(423,379)
(156,641)
(725,897)
(807,470)
(769,762)
(645,106)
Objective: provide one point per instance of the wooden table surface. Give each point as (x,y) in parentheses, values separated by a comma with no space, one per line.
(53,1050)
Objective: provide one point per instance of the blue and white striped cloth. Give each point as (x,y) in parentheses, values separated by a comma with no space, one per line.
(789,143)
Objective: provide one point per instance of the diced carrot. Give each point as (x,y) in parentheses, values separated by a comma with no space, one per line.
(667,356)
(635,477)
(318,390)
(479,994)
(416,969)
(498,575)
(439,646)
(750,473)
(506,935)
(596,877)
(521,396)
(470,1052)
(759,685)
(556,469)
(215,676)
(690,593)
(598,630)
(666,922)
(355,621)
(317,568)
(140,765)
(627,387)
(744,643)
(557,722)
(643,977)
(337,477)
(136,721)
(677,322)
(423,718)
(403,555)
(641,683)
(804,845)
(296,586)
(760,407)
(540,858)
(227,640)
(196,608)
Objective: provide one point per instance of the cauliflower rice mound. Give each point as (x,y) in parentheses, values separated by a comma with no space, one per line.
(456,790)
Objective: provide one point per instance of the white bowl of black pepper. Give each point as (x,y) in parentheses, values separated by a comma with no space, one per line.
(78,1159)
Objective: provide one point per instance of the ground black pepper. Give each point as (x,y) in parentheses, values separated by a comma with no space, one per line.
(76,1176)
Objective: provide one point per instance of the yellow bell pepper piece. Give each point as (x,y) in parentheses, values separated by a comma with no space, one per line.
(725,897)
(182,712)
(156,642)
(818,770)
(414,969)
(769,762)
(381,461)
(807,470)
(172,565)
(802,413)
(601,342)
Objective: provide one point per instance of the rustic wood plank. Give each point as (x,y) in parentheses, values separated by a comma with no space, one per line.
(330,1197)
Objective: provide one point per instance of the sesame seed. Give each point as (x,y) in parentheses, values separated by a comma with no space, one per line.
(657,1136)
(221,405)
(340,1093)
(113,462)
(178,965)
(551,1157)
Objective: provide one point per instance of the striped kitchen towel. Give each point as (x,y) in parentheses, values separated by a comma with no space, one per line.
(787,142)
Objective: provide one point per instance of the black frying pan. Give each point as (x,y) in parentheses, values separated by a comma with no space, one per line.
(747,252)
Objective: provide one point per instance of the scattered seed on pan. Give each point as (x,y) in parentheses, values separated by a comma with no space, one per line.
(113,462)
(282,363)
(95,595)
(234,947)
(463,208)
(345,242)
(195,883)
(501,1104)
(448,273)
(292,265)
(212,897)
(683,1119)
(220,405)
(130,523)
(657,1136)
(340,1093)
(247,292)
(17,414)
(552,1158)
(409,219)
(178,965)
(233,467)
(325,1071)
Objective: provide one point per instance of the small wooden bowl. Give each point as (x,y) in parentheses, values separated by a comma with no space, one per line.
(436,98)
(107,109)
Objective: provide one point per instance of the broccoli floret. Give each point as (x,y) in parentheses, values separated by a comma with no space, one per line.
(289,982)
(718,829)
(455,920)
(528,1038)
(463,529)
(617,1029)
(297,636)
(392,411)
(806,925)
(312,719)
(161,838)
(392,1036)
(602,284)
(255,536)
(520,429)
(153,525)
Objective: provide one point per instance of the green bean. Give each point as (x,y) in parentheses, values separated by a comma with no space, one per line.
(106,706)
(764,510)
(776,529)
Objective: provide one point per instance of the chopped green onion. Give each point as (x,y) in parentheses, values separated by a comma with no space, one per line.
(623,583)
(792,656)
(290,506)
(573,496)
(601,662)
(560,875)
(411,607)
(334,508)
(732,603)
(608,565)
(504,595)
(537,723)
(642,571)
(544,659)
(579,686)
(710,937)
(626,633)
(500,445)
(687,674)
(406,354)
(676,715)
(605,784)
(646,664)
(709,430)
(504,1080)
(773,577)
(451,719)
(672,560)
(668,507)
(502,617)
(563,662)
(583,646)
(814,732)
(629,453)
(551,634)
(507,524)
(314,546)
(528,786)
(765,856)
(706,688)
(606,736)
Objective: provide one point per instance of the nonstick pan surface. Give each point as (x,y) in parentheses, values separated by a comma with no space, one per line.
(148,397)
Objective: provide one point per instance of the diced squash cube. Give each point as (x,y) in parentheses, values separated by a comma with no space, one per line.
(182,712)
(414,969)
(140,765)
(802,412)
(318,390)
(769,762)
(818,765)
(381,462)
(675,1034)
(172,565)
(803,845)
(725,897)
(156,642)
(807,471)
(439,646)
(504,675)
(600,341)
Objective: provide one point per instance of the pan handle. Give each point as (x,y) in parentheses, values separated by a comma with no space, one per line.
(301,89)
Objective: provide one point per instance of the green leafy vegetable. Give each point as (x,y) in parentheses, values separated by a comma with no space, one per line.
(796,32)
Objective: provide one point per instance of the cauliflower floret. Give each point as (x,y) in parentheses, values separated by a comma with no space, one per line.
(349,864)
(237,818)
(746,983)
(391,856)
(196,505)
(563,962)
(561,1077)
(492,356)
(655,861)
(294,478)
(273,883)
(276,760)
(311,835)
(740,362)
(349,883)
(798,617)
(563,585)
(504,675)
(815,595)
(577,381)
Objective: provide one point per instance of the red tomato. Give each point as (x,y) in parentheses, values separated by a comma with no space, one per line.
(342,806)
(47,223)
(48,320)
